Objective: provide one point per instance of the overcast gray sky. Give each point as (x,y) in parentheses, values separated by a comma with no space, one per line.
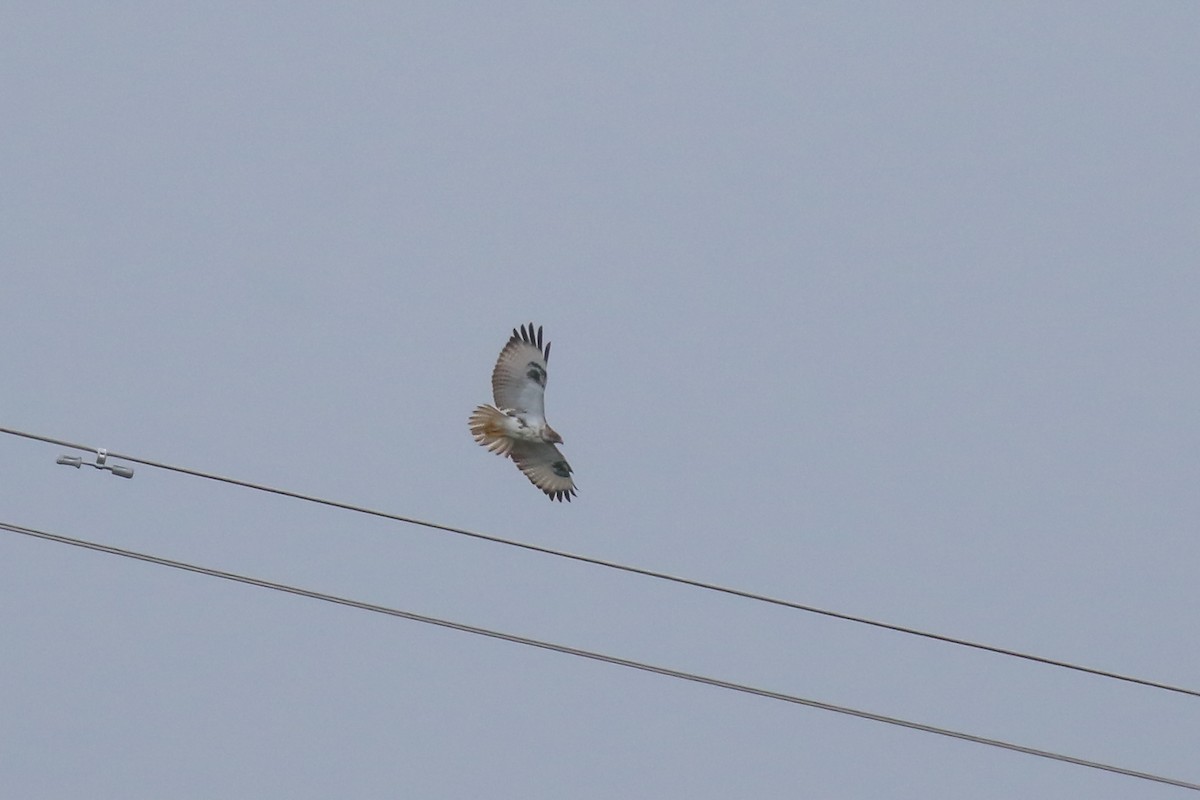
(890,309)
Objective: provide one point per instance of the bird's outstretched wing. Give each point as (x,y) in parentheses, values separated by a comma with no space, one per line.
(519,379)
(545,467)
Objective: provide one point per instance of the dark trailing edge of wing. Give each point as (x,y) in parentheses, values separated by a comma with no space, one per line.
(534,337)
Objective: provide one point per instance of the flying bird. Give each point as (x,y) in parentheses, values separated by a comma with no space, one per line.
(516,426)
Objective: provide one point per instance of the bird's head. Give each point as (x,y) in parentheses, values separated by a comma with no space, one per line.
(551,436)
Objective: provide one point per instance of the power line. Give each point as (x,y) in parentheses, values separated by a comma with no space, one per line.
(590,654)
(599,562)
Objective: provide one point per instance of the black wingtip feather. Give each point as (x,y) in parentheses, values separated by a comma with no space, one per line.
(533,336)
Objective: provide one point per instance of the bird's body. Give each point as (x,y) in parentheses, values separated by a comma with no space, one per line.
(516,425)
(503,426)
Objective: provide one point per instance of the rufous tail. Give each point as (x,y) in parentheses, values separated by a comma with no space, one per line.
(488,428)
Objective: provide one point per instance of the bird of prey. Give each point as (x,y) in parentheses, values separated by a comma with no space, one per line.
(516,426)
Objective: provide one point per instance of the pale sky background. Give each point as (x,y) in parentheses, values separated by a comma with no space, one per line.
(892,309)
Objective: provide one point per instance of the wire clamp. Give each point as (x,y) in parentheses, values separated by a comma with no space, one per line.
(101,458)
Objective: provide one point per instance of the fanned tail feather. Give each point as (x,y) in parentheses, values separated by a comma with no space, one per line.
(489,429)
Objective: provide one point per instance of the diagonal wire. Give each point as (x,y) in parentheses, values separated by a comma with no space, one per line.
(595,656)
(599,562)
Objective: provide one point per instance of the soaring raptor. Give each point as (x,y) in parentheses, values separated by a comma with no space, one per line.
(516,426)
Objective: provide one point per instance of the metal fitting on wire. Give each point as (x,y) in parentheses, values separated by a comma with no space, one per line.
(101,457)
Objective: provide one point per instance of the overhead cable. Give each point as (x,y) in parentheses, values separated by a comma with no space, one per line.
(595,656)
(599,562)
